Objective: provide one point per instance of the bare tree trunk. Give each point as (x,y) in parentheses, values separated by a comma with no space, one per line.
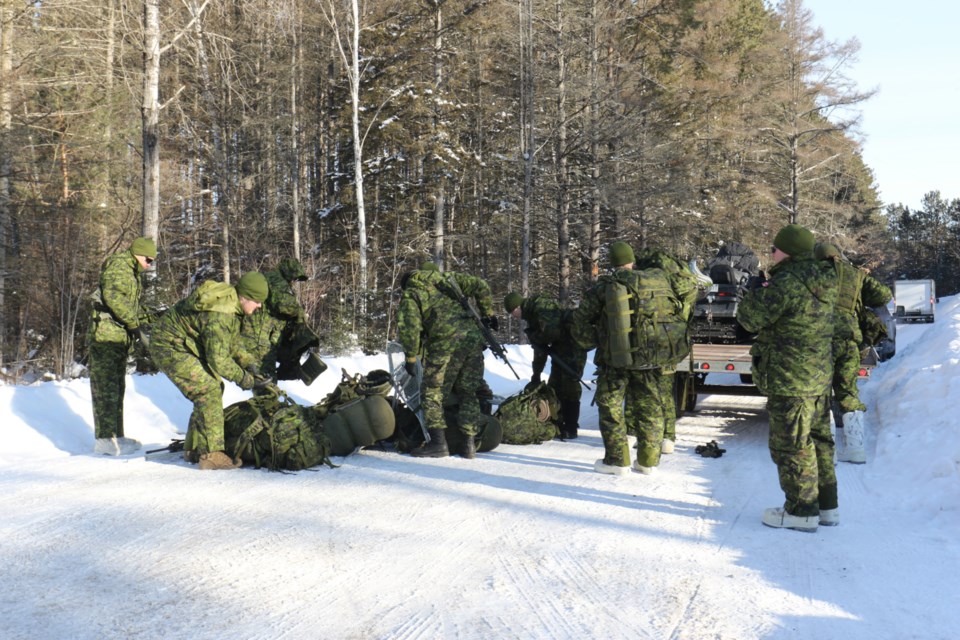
(563,204)
(6,122)
(295,69)
(358,153)
(528,148)
(594,243)
(150,113)
(439,202)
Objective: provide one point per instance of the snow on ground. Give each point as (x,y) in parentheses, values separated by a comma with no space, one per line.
(523,542)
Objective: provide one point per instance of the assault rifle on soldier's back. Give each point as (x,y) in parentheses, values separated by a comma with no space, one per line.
(495,347)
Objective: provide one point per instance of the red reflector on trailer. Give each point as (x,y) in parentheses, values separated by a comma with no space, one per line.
(704,365)
(729,367)
(863,373)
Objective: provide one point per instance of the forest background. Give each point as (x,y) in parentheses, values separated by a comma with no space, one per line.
(510,139)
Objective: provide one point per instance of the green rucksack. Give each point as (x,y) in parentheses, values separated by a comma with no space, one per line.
(274,433)
(644,322)
(529,417)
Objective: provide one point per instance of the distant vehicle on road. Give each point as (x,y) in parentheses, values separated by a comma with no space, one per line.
(914,300)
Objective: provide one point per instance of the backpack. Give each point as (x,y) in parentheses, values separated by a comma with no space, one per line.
(645,325)
(215,296)
(529,417)
(274,433)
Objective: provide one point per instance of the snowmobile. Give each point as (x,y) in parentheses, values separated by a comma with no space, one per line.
(715,312)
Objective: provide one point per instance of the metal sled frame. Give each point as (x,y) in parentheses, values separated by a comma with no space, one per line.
(406,387)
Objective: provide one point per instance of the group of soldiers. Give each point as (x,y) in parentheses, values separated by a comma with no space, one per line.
(804,316)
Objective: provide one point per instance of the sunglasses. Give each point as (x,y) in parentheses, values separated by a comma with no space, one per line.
(773,249)
(148,260)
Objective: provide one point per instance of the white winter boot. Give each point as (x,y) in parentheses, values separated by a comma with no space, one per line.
(853,451)
(116,446)
(779,518)
(601,467)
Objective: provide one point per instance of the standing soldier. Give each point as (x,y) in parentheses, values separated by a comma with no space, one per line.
(433,323)
(855,290)
(548,327)
(634,319)
(193,344)
(792,315)
(684,285)
(262,331)
(116,323)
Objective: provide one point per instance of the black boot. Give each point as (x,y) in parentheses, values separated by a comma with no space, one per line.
(469,447)
(436,448)
(569,419)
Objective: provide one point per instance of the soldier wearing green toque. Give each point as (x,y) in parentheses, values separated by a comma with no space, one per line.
(193,344)
(793,316)
(118,318)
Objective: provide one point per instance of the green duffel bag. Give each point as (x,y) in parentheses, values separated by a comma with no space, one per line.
(358,423)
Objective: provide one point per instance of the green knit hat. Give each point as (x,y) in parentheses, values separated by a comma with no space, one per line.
(621,254)
(511,301)
(253,286)
(291,270)
(429,266)
(144,247)
(794,240)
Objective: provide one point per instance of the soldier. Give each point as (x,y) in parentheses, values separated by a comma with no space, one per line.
(432,323)
(193,344)
(792,315)
(684,285)
(262,331)
(116,324)
(609,317)
(548,327)
(855,289)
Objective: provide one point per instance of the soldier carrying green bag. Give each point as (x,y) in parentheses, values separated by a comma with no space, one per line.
(194,344)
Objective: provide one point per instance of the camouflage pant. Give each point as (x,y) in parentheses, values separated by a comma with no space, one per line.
(668,407)
(201,387)
(459,372)
(846,373)
(802,448)
(628,403)
(108,382)
(567,385)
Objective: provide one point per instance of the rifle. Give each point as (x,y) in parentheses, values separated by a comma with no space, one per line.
(495,347)
(563,365)
(175,445)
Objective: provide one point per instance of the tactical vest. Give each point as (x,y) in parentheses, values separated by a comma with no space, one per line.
(643,323)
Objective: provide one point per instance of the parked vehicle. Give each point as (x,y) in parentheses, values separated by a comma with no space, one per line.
(914,300)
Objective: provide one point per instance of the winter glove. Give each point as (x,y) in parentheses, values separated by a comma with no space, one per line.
(411,368)
(491,323)
(710,450)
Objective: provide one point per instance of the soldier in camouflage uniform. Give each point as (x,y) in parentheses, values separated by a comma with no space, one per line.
(193,344)
(115,325)
(792,315)
(548,327)
(856,290)
(432,324)
(684,285)
(637,385)
(262,331)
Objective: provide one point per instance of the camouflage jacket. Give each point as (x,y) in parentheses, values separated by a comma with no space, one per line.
(205,325)
(855,289)
(116,307)
(431,320)
(792,315)
(548,325)
(262,330)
